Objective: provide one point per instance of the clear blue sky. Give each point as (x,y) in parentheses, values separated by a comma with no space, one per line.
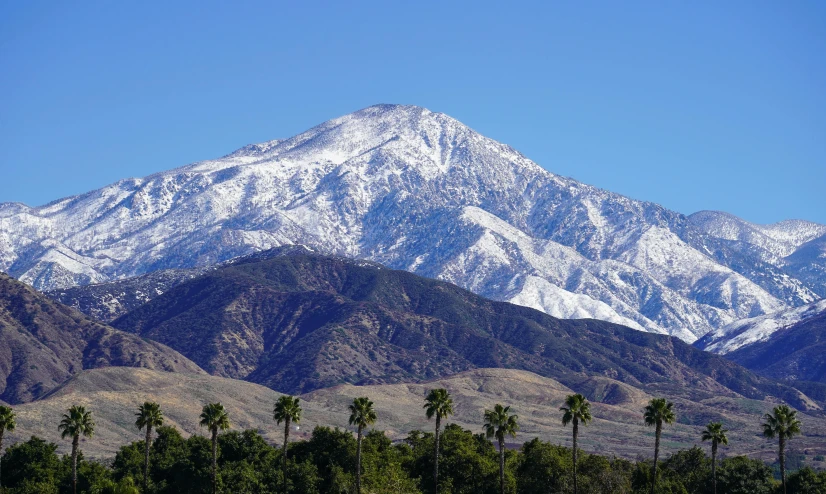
(694,105)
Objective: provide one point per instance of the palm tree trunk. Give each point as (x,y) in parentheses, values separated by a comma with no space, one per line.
(502,464)
(714,466)
(146,459)
(75,441)
(783,461)
(286,438)
(436,457)
(1,455)
(576,430)
(358,463)
(214,460)
(656,454)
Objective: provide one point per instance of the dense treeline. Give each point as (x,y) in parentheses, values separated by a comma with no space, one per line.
(328,462)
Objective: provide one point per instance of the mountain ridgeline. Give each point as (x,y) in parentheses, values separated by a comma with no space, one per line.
(419,191)
(296,321)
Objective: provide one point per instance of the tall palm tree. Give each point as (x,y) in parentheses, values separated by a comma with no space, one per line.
(76,422)
(657,412)
(782,423)
(149,416)
(286,410)
(717,435)
(214,417)
(576,410)
(6,424)
(437,404)
(499,423)
(362,414)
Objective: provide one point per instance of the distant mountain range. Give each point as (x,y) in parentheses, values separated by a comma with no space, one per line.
(419,191)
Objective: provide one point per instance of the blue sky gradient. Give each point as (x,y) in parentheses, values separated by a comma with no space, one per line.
(694,105)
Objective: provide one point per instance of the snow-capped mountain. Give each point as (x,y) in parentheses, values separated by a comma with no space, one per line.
(756,329)
(418,190)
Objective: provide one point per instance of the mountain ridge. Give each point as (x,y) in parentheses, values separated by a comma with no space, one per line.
(417,190)
(45,343)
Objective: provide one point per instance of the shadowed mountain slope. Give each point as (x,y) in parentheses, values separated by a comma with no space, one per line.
(300,321)
(795,353)
(44,343)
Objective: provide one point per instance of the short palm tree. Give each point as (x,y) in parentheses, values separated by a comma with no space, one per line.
(715,433)
(658,412)
(362,414)
(782,423)
(576,410)
(149,416)
(76,422)
(6,424)
(499,423)
(214,417)
(286,410)
(437,404)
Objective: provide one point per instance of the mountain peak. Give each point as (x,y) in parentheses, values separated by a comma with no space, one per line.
(394,184)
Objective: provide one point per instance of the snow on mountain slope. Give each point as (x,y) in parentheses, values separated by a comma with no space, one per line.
(756,329)
(417,190)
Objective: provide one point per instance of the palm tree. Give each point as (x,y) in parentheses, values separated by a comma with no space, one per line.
(287,410)
(717,435)
(439,404)
(782,423)
(76,422)
(499,423)
(362,414)
(214,417)
(657,412)
(576,410)
(6,424)
(149,415)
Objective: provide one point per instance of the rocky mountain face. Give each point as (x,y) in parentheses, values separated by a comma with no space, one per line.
(296,321)
(44,343)
(420,191)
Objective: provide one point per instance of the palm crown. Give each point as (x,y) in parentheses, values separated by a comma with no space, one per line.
(715,433)
(149,415)
(214,417)
(499,422)
(438,403)
(781,423)
(77,422)
(287,408)
(576,409)
(6,418)
(362,413)
(659,411)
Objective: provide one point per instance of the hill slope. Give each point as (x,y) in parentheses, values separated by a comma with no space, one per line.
(418,190)
(298,321)
(114,393)
(44,343)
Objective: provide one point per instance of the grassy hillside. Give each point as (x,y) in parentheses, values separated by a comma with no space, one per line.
(114,393)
